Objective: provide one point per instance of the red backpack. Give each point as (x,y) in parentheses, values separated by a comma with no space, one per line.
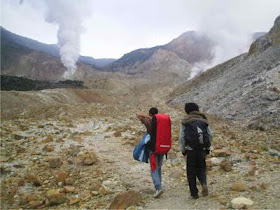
(161,134)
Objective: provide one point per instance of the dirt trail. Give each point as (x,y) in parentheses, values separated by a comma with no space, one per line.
(136,175)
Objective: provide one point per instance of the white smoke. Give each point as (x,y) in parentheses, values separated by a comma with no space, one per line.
(227,33)
(68,15)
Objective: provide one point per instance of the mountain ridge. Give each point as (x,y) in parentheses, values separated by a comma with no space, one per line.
(51,49)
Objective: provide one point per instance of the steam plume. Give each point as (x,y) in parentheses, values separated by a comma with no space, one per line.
(68,15)
(228,35)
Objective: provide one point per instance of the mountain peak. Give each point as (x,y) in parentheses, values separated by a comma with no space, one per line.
(271,39)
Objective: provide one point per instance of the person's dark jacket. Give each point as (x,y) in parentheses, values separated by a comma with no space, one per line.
(191,117)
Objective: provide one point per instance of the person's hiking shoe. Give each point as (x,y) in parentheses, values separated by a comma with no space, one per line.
(194,197)
(158,193)
(204,190)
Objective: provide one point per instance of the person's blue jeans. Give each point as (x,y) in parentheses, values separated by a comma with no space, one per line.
(156,173)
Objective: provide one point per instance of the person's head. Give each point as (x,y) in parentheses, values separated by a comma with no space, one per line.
(190,107)
(153,111)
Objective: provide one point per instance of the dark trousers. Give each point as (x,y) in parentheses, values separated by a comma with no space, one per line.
(196,167)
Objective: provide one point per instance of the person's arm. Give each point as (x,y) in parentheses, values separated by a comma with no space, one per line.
(210,138)
(182,140)
(141,116)
(209,131)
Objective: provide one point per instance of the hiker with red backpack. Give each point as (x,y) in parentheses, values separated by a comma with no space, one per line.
(195,141)
(159,128)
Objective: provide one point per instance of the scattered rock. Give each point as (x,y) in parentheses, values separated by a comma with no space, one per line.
(86,133)
(117,134)
(126,199)
(95,186)
(55,162)
(274,152)
(69,181)
(4,170)
(36,153)
(271,96)
(94,193)
(241,202)
(49,148)
(31,178)
(18,137)
(252,172)
(253,188)
(35,204)
(220,152)
(73,151)
(239,186)
(23,199)
(209,163)
(254,156)
(32,197)
(18,166)
(105,190)
(20,150)
(149,191)
(74,201)
(69,189)
(13,191)
(176,174)
(55,197)
(88,158)
(226,165)
(48,139)
(253,163)
(264,186)
(216,161)
(61,177)
(21,182)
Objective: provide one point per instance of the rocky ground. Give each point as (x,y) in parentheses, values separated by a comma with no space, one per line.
(79,156)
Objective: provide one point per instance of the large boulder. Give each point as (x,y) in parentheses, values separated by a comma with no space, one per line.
(226,165)
(221,152)
(241,202)
(88,158)
(55,162)
(55,197)
(125,199)
(239,186)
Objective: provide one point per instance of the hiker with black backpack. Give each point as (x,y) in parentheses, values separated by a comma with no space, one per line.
(159,128)
(195,141)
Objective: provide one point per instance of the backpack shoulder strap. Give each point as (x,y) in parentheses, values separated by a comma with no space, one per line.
(152,143)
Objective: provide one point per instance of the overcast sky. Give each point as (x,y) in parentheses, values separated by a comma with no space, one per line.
(112,28)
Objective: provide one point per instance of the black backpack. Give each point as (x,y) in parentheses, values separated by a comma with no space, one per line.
(196,135)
